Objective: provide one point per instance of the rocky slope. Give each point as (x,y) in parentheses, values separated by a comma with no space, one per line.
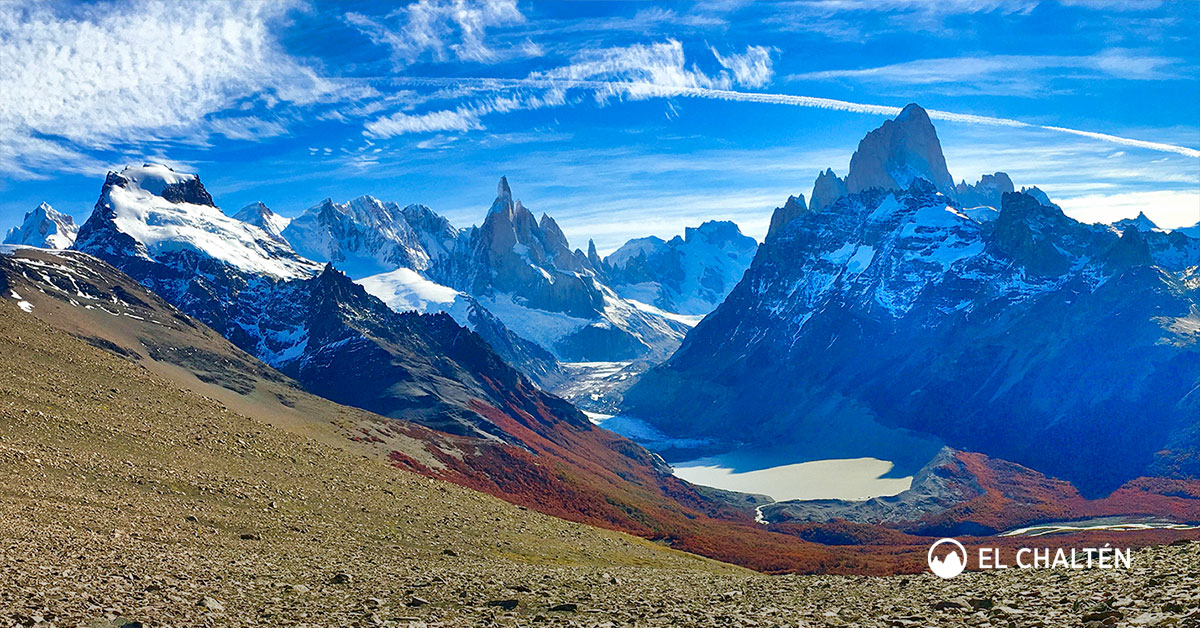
(261,524)
(44,227)
(686,275)
(1016,332)
(258,534)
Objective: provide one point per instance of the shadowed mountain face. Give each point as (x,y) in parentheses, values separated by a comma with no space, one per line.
(311,323)
(1073,349)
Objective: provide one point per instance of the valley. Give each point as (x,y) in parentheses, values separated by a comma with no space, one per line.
(106,524)
(601,314)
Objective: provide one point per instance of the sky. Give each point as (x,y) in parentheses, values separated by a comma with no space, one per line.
(619,119)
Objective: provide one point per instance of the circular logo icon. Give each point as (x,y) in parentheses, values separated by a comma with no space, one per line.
(951,564)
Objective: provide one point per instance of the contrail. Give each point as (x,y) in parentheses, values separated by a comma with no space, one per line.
(665,91)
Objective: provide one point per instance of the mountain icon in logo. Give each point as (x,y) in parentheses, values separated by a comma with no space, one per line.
(948,565)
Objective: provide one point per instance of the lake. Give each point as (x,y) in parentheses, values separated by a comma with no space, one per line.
(849,478)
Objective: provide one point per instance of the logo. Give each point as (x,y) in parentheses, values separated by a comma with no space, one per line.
(950,564)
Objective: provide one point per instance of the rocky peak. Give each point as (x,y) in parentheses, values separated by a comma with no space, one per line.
(717,232)
(988,191)
(161,181)
(552,233)
(592,256)
(1141,223)
(790,211)
(827,189)
(1037,194)
(1131,249)
(504,198)
(1024,232)
(898,152)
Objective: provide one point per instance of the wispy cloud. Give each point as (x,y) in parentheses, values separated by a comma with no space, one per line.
(636,72)
(460,119)
(752,69)
(1022,75)
(672,79)
(446,30)
(90,77)
(641,70)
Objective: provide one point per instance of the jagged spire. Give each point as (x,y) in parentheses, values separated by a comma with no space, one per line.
(784,215)
(504,199)
(827,189)
(898,152)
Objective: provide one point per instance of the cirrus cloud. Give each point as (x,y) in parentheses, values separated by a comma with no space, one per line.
(91,77)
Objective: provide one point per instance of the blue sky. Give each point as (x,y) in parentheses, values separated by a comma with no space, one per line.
(620,119)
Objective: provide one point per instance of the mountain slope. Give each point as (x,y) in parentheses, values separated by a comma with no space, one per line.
(1018,333)
(44,227)
(99,503)
(686,275)
(508,438)
(104,523)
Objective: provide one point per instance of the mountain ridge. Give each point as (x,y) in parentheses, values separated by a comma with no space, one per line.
(907,308)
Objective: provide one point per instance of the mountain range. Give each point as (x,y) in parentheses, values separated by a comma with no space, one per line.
(978,316)
(908,302)
(515,278)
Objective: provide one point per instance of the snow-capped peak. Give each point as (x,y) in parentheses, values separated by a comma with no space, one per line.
(1037,194)
(154,212)
(901,150)
(44,227)
(261,216)
(160,180)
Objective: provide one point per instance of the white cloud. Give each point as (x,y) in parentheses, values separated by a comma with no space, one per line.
(246,128)
(460,119)
(660,71)
(654,70)
(752,69)
(1168,209)
(447,29)
(637,72)
(90,77)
